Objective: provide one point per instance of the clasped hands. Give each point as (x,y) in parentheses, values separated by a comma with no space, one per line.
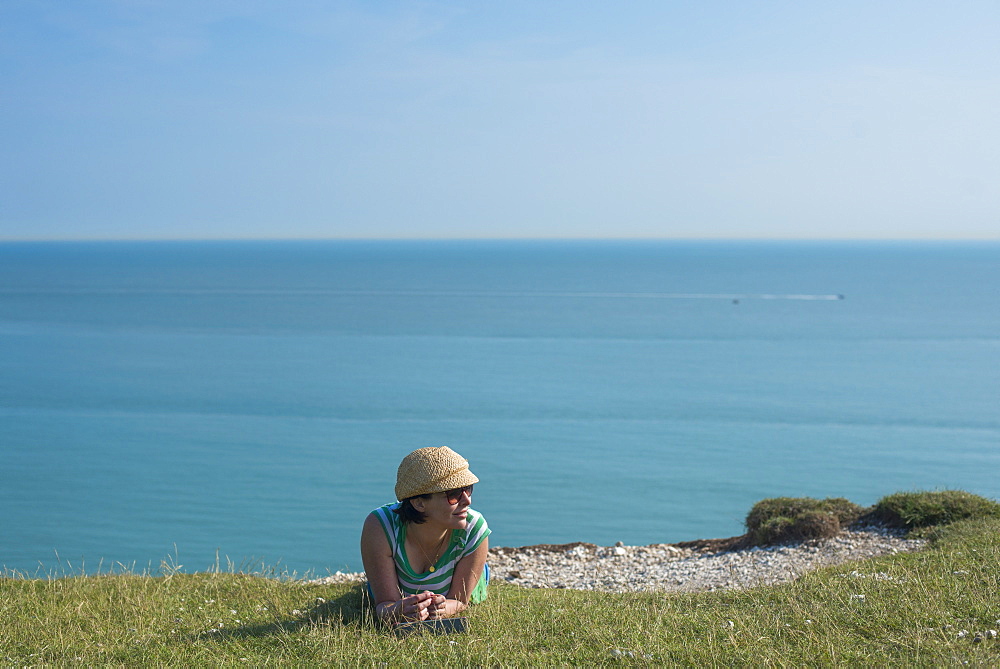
(423,606)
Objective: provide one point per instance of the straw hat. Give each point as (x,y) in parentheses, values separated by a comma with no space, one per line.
(432,469)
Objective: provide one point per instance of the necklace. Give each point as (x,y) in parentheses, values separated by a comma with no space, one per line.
(437,552)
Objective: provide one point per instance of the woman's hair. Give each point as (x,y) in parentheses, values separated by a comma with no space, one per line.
(408,514)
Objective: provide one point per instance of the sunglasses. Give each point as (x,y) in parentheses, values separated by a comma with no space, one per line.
(455,494)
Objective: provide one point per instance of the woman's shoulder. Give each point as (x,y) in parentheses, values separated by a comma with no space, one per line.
(385,513)
(474,521)
(476,531)
(387,508)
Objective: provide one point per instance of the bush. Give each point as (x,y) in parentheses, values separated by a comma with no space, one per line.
(910,510)
(784,519)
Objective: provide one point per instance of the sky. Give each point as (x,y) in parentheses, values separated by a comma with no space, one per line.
(249,119)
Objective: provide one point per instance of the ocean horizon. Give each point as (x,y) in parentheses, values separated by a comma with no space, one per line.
(251,399)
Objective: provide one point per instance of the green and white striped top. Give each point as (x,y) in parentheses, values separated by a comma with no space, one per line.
(462,543)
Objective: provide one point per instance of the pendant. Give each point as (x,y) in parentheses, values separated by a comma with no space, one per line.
(431,569)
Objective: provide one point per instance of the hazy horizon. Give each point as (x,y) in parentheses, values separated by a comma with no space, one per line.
(818,240)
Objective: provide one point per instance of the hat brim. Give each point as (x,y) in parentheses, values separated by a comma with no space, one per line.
(459,479)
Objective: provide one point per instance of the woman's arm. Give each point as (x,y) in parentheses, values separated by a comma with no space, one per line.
(467,573)
(390,605)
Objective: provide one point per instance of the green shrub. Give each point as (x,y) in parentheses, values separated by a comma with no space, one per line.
(909,510)
(785,519)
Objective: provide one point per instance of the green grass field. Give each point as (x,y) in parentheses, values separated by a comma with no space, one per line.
(923,608)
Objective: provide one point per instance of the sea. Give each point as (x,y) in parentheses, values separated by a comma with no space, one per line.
(244,404)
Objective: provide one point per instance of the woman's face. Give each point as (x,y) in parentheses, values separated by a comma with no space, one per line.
(440,511)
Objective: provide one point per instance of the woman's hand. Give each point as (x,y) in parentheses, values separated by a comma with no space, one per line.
(421,606)
(439,608)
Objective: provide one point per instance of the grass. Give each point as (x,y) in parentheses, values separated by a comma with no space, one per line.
(905,609)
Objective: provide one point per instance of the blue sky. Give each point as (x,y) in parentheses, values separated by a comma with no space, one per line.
(149,119)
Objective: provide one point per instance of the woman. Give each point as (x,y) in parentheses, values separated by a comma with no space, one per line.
(425,555)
